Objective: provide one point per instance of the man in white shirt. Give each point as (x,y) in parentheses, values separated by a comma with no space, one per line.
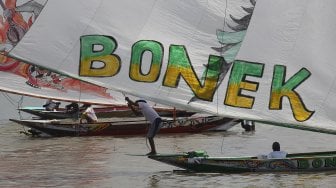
(152,116)
(276,153)
(89,114)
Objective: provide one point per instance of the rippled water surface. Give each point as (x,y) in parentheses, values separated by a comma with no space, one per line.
(105,161)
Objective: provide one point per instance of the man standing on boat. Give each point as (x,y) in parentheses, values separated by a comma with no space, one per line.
(151,115)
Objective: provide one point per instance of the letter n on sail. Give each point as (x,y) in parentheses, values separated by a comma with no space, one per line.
(281,89)
(179,65)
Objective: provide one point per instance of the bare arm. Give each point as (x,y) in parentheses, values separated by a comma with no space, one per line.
(131,105)
(130,102)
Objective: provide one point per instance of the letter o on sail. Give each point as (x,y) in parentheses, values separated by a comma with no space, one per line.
(138,50)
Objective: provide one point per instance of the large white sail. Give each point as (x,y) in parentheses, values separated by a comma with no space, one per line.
(16,18)
(183,53)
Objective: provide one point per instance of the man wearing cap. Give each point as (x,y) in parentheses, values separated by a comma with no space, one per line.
(151,115)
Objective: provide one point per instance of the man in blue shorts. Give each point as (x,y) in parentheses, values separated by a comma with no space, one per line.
(152,116)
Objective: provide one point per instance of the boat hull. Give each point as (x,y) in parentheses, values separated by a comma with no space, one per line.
(103,112)
(301,162)
(126,126)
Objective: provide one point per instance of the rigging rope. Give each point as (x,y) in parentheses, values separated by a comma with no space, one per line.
(226,3)
(19,105)
(9,99)
(222,45)
(15,103)
(222,145)
(147,144)
(79,99)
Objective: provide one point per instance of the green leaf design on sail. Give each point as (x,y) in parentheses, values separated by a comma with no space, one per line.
(230,37)
(231,54)
(230,43)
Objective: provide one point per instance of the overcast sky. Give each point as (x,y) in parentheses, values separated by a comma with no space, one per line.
(9,104)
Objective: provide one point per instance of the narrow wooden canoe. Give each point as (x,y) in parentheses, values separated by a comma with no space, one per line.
(103,112)
(199,161)
(124,126)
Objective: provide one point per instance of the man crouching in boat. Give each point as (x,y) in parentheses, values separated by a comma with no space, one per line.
(152,116)
(89,114)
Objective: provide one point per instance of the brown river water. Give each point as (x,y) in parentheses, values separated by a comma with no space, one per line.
(105,161)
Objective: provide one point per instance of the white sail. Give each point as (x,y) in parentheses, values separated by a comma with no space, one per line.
(295,38)
(178,53)
(14,84)
(16,18)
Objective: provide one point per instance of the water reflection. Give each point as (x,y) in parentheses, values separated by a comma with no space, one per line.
(154,181)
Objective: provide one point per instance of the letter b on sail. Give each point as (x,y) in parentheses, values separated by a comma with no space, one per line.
(96,58)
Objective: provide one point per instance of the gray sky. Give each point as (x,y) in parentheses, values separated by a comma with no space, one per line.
(9,104)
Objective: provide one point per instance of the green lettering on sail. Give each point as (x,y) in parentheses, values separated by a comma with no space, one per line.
(238,82)
(179,66)
(98,48)
(138,50)
(281,89)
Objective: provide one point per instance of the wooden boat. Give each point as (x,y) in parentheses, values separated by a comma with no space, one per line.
(103,112)
(123,126)
(199,161)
